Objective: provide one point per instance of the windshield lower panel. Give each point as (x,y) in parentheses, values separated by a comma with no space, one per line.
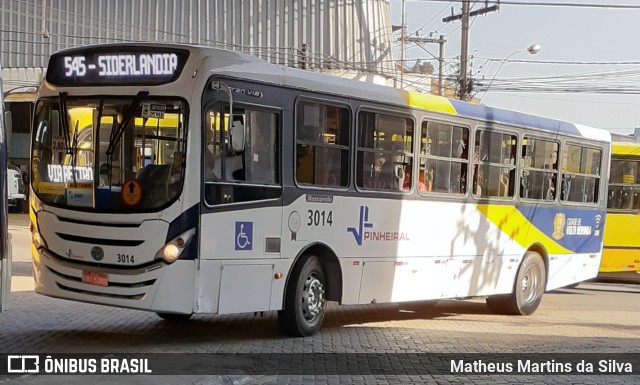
(121,154)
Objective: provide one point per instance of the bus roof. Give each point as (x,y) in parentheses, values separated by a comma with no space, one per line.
(240,65)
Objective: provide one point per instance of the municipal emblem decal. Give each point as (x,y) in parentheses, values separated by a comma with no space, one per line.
(558,226)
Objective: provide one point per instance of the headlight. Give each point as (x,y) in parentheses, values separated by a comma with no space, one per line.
(170,252)
(174,248)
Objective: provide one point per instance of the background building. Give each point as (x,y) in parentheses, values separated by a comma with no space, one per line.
(350,38)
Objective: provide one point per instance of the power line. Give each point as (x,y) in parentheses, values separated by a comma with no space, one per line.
(435,16)
(581,101)
(545,4)
(567,62)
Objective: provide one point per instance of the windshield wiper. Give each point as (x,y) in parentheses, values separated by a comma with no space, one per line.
(62,101)
(74,152)
(115,138)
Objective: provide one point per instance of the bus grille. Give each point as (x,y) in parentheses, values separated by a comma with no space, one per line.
(98,294)
(135,285)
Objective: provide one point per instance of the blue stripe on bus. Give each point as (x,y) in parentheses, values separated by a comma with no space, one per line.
(491,114)
(187,220)
(579,230)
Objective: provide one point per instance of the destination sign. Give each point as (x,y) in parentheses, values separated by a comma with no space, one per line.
(113,66)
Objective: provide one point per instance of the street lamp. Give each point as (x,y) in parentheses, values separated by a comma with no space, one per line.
(532,49)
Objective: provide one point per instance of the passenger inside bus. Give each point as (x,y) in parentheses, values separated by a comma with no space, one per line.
(386,178)
(406,178)
(425,180)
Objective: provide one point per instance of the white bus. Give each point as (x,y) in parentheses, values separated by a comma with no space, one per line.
(180,180)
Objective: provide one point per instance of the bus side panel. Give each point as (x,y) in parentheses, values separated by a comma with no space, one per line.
(394,250)
(572,239)
(566,269)
(240,255)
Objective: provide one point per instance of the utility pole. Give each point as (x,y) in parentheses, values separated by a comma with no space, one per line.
(464,50)
(402,50)
(440,41)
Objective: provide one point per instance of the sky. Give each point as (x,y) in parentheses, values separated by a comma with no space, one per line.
(574,34)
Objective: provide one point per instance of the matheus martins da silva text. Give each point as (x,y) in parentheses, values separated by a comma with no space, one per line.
(533,367)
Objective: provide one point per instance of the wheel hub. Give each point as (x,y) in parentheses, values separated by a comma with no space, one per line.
(313,297)
(529,284)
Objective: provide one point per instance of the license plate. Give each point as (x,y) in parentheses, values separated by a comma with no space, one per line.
(97,279)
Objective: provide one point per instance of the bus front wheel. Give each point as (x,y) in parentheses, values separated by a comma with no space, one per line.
(304,305)
(527,291)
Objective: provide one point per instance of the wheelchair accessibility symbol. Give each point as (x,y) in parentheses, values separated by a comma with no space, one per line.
(244,236)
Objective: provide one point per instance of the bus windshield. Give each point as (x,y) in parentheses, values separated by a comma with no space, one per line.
(110,154)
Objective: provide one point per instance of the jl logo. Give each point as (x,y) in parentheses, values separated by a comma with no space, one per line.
(364,223)
(558,226)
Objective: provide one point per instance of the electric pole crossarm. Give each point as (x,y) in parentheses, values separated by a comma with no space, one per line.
(493,8)
(412,39)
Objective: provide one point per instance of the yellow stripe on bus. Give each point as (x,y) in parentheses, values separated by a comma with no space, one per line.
(429,102)
(511,221)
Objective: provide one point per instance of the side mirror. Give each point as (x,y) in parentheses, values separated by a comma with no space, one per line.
(237,131)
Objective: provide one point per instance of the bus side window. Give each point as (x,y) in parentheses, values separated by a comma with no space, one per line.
(322,144)
(581,174)
(384,152)
(495,167)
(443,158)
(247,175)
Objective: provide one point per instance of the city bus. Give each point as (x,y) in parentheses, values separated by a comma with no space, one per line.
(621,251)
(5,237)
(210,181)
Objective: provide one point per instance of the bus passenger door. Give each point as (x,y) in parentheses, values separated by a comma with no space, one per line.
(242,212)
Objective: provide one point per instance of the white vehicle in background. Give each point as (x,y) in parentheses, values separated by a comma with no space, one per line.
(15,190)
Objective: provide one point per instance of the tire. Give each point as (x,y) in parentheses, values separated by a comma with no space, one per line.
(527,289)
(174,317)
(529,286)
(304,305)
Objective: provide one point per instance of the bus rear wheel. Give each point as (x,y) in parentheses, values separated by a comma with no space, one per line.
(304,305)
(528,289)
